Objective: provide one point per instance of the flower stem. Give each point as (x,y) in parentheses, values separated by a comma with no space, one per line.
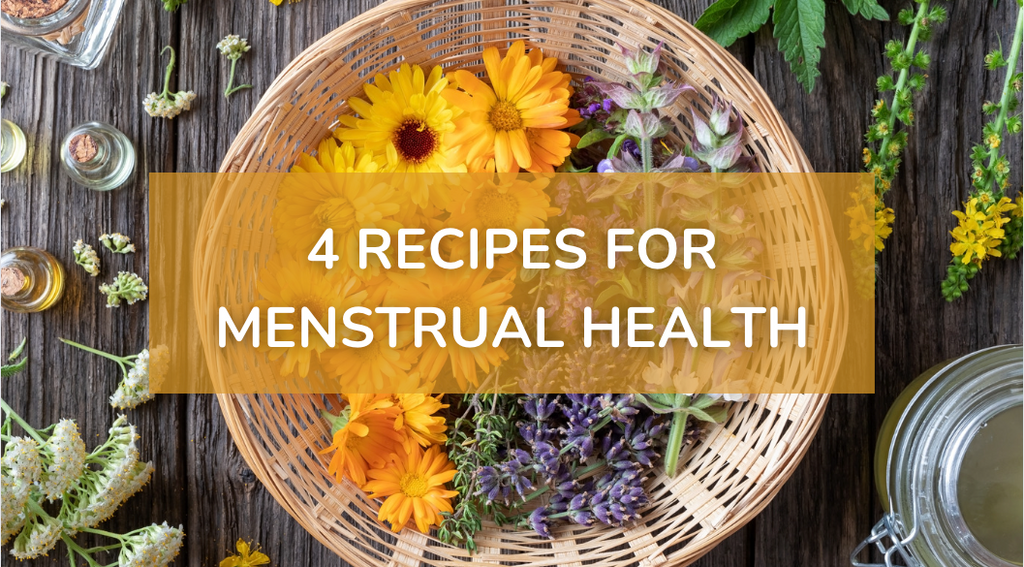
(17,419)
(231,81)
(674,445)
(901,82)
(120,360)
(72,546)
(1004,100)
(118,537)
(167,73)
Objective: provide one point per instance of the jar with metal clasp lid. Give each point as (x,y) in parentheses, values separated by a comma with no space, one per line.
(948,467)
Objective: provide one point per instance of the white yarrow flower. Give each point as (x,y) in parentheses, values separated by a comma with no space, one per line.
(150,367)
(117,243)
(21,459)
(233,46)
(86,257)
(14,495)
(153,546)
(64,453)
(37,538)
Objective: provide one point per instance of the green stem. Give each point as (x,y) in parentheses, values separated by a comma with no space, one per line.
(118,537)
(901,82)
(167,73)
(120,360)
(17,419)
(231,81)
(72,546)
(1004,100)
(674,445)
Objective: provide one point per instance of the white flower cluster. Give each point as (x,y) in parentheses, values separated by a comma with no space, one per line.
(14,495)
(101,492)
(168,105)
(37,538)
(117,243)
(65,453)
(22,461)
(127,286)
(153,546)
(86,257)
(150,367)
(233,46)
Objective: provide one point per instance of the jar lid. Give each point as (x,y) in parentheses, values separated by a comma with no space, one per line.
(40,17)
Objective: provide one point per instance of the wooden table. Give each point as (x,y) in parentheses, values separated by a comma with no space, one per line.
(203,484)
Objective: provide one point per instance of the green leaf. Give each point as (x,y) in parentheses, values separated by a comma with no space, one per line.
(12,369)
(800,29)
(616,145)
(726,21)
(870,10)
(17,351)
(592,137)
(854,6)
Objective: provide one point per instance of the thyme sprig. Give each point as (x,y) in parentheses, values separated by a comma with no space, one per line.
(885,139)
(479,437)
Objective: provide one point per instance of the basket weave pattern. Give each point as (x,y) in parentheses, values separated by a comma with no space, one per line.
(726,480)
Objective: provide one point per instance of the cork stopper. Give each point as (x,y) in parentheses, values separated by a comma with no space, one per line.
(30,9)
(12,281)
(83,148)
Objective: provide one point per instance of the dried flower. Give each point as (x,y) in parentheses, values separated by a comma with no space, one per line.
(167,104)
(233,47)
(126,286)
(246,556)
(86,257)
(117,243)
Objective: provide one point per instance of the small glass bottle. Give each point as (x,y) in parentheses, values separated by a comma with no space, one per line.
(73,31)
(97,156)
(12,146)
(31,279)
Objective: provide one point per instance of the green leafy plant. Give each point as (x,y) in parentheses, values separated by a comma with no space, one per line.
(173,5)
(798,25)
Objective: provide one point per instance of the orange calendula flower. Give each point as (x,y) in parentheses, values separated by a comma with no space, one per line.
(246,556)
(512,203)
(515,122)
(363,435)
(418,420)
(413,488)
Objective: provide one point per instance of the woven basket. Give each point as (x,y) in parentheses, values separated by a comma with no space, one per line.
(726,480)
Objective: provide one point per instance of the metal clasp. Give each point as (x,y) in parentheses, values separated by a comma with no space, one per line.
(896,547)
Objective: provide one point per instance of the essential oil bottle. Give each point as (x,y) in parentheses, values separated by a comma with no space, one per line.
(12,146)
(97,156)
(31,279)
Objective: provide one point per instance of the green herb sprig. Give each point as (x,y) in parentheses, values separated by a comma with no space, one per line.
(991,224)
(476,439)
(885,139)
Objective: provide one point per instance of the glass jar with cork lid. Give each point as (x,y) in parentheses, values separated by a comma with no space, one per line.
(74,31)
(97,156)
(31,279)
(949,467)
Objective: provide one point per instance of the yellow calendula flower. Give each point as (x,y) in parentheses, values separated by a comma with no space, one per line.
(363,436)
(515,122)
(311,199)
(372,366)
(413,488)
(469,290)
(406,120)
(246,557)
(980,231)
(289,281)
(512,203)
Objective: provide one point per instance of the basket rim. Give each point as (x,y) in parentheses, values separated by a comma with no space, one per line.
(278,95)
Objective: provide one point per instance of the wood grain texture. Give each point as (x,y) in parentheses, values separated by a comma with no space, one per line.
(202,483)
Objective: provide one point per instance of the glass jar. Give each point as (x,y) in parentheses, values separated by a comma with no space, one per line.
(97,156)
(12,146)
(948,466)
(31,279)
(73,31)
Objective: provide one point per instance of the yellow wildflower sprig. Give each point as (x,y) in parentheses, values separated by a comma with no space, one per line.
(990,224)
(885,140)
